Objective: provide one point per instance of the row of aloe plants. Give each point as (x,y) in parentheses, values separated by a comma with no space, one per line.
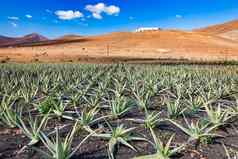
(89,95)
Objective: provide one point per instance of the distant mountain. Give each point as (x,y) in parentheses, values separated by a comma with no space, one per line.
(18,41)
(4,39)
(34,37)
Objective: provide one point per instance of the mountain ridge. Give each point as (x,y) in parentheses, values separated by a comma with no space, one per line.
(29,38)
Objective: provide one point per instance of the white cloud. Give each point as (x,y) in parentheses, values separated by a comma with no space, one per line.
(97,16)
(13,18)
(111,10)
(100,8)
(28,16)
(179,16)
(14,24)
(68,15)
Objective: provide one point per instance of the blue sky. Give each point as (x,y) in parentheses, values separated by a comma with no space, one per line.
(55,18)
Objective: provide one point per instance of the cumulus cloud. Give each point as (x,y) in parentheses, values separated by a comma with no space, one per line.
(111,10)
(68,15)
(13,18)
(100,8)
(97,15)
(28,16)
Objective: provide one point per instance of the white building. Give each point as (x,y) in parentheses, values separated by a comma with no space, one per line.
(143,29)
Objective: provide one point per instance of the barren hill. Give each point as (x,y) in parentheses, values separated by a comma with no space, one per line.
(162,44)
(227,30)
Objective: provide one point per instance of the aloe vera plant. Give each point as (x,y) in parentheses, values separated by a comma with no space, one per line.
(87,118)
(163,151)
(233,110)
(217,116)
(230,154)
(175,109)
(59,109)
(34,129)
(119,135)
(8,115)
(46,106)
(61,148)
(119,106)
(151,120)
(194,104)
(142,98)
(197,130)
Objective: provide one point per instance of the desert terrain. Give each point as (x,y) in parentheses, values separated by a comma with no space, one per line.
(213,43)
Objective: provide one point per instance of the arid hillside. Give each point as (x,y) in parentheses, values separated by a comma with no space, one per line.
(196,45)
(227,30)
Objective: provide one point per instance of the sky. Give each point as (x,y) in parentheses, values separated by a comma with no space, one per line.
(54,18)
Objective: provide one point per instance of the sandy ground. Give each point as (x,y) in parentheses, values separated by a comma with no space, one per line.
(165,44)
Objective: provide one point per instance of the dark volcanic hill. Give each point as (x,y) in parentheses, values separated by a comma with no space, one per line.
(4,39)
(28,39)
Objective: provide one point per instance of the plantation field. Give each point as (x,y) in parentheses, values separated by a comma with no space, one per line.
(64,111)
